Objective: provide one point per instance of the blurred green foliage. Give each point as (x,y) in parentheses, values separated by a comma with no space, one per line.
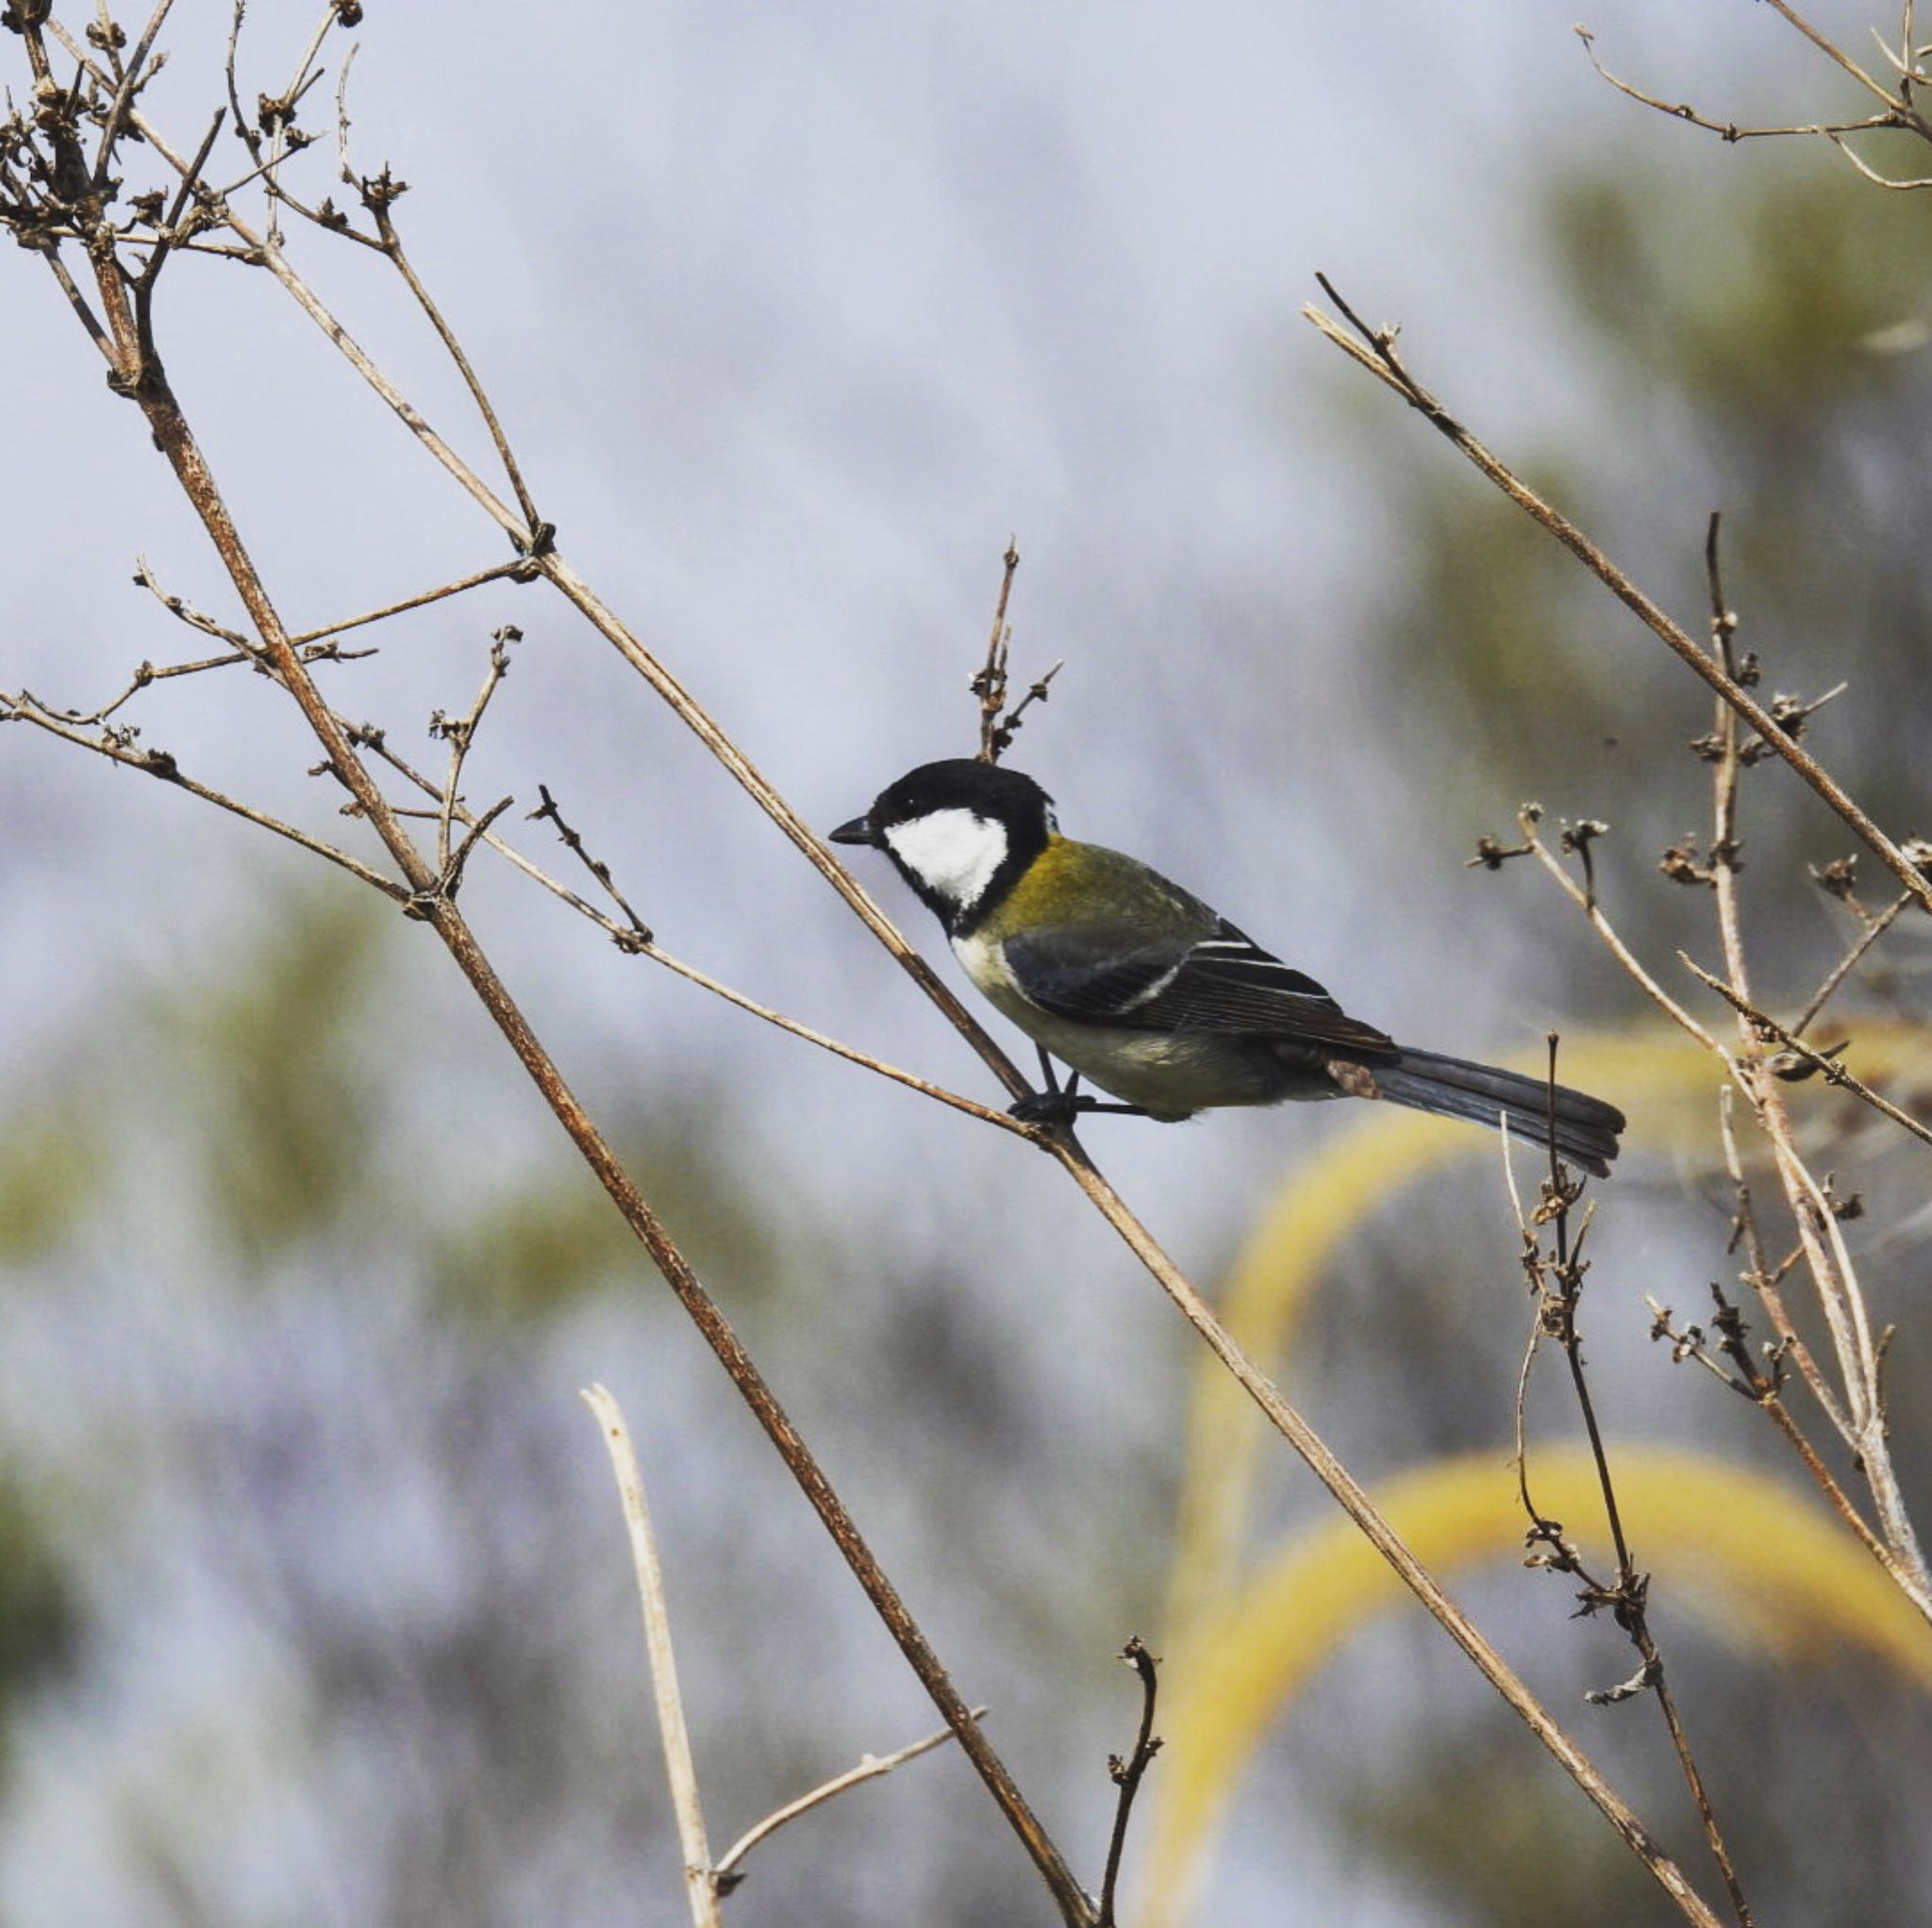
(49,1161)
(1500,1841)
(552,1235)
(40,1612)
(276,1069)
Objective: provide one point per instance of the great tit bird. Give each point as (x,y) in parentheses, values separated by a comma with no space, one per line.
(1139,987)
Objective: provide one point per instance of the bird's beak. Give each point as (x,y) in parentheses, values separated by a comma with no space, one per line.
(858,831)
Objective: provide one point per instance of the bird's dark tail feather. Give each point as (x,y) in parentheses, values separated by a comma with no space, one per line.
(1587,1128)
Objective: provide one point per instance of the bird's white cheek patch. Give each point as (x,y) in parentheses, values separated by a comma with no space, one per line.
(952,852)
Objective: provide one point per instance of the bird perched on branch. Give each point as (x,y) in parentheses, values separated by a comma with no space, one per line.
(1139,987)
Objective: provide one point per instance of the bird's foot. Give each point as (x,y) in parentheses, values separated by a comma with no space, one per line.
(1049,1107)
(1061,1104)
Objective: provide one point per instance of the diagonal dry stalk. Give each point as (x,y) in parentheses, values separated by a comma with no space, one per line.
(137,373)
(1373,349)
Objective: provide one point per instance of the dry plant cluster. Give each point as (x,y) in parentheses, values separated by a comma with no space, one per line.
(109,238)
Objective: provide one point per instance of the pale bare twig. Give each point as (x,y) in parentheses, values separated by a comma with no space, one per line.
(679,1770)
(1838,54)
(1528,819)
(378,196)
(185,611)
(132,80)
(1870,173)
(517,569)
(78,302)
(1728,131)
(147,673)
(460,732)
(636,937)
(1769,1390)
(726,1872)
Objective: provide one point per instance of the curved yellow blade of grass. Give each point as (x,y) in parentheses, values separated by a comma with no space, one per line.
(1666,1083)
(1769,1569)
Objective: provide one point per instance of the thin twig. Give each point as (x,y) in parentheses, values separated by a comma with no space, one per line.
(185,612)
(1729,131)
(997,724)
(1629,1600)
(636,937)
(78,302)
(131,82)
(1875,929)
(1832,1070)
(1127,1774)
(146,673)
(160,763)
(1838,54)
(378,198)
(989,683)
(679,1770)
(460,732)
(726,1872)
(1528,819)
(517,567)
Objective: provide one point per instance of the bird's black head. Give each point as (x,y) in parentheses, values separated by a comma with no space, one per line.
(959,832)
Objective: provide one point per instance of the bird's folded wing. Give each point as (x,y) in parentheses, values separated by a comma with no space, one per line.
(1225,981)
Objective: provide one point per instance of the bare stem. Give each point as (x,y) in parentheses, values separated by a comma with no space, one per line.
(1558,1279)
(1129,1772)
(726,1872)
(1874,930)
(679,1770)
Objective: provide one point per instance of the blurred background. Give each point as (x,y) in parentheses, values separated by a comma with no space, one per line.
(315,1603)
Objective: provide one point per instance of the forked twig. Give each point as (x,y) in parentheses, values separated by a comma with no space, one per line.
(997,724)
